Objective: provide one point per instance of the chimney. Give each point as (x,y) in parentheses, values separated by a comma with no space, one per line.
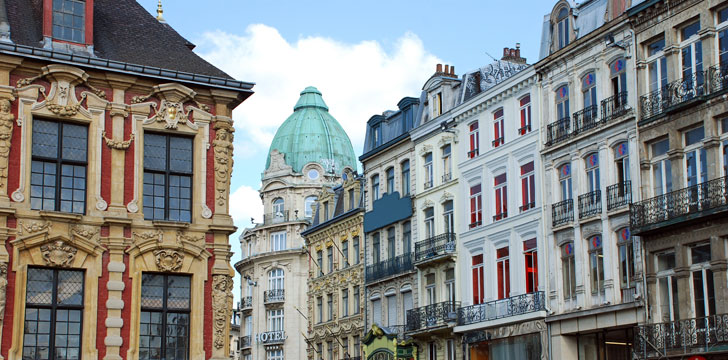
(513,55)
(438,68)
(447,69)
(452,70)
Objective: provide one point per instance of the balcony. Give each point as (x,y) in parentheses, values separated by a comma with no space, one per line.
(498,142)
(244,342)
(446,177)
(389,267)
(562,212)
(697,201)
(271,337)
(629,295)
(619,195)
(614,106)
(586,119)
(524,130)
(676,94)
(473,153)
(682,338)
(500,216)
(434,248)
(528,206)
(428,184)
(432,316)
(590,204)
(503,308)
(247,303)
(558,131)
(275,218)
(473,225)
(274,296)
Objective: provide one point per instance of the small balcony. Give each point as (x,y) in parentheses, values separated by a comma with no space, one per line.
(247,303)
(562,212)
(271,337)
(526,207)
(586,119)
(682,338)
(498,142)
(673,95)
(432,316)
(275,218)
(446,177)
(524,130)
(694,202)
(389,267)
(473,153)
(629,295)
(435,248)
(245,342)
(503,308)
(590,204)
(614,106)
(619,195)
(558,131)
(274,296)
(500,216)
(428,184)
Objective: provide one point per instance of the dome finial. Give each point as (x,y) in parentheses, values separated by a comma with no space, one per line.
(160,12)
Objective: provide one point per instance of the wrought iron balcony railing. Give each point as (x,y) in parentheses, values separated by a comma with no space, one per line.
(525,207)
(691,202)
(500,216)
(498,142)
(629,295)
(586,119)
(473,225)
(435,246)
(673,94)
(498,309)
(682,337)
(619,195)
(247,302)
(590,204)
(430,316)
(473,153)
(524,130)
(271,337)
(275,217)
(428,184)
(244,342)
(273,296)
(446,177)
(718,78)
(389,267)
(562,212)
(558,131)
(614,106)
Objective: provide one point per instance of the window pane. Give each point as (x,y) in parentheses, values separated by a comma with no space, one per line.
(40,286)
(152,290)
(70,287)
(74,142)
(45,138)
(155,152)
(180,154)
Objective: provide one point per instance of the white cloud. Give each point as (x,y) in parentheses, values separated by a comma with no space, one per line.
(244,204)
(357,80)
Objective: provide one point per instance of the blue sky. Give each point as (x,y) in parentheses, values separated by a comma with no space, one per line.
(364,56)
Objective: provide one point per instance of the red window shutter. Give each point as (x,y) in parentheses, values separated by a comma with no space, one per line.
(500,280)
(532,189)
(507,279)
(524,192)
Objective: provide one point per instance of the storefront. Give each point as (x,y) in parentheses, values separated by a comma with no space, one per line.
(525,341)
(384,344)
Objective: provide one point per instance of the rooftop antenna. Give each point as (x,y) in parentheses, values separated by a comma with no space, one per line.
(486,53)
(160,18)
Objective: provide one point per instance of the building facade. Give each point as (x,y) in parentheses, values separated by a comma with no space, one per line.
(336,273)
(115,168)
(681,65)
(309,152)
(590,160)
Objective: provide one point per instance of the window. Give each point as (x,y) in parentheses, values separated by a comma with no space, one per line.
(447,217)
(503,269)
(345,254)
(165,317)
(345,348)
(428,170)
(562,103)
(661,168)
(528,187)
(450,285)
(167,177)
(667,287)
(696,162)
(430,289)
(53,314)
(436,105)
(450,349)
(356,250)
(275,320)
(588,118)
(626,258)
(530,255)
(356,299)
(592,172)
(357,346)
(352,201)
(596,264)
(345,302)
(618,76)
(565,181)
(375,188)
(568,270)
(278,241)
(320,262)
(329,307)
(703,292)
(723,37)
(501,197)
(478,281)
(390,180)
(621,156)
(562,28)
(377,135)
(392,310)
(525,115)
(498,125)
(476,206)
(474,140)
(429,222)
(325,205)
(432,350)
(320,350)
(446,163)
(724,139)
(390,242)
(656,65)
(276,279)
(320,308)
(58,169)
(68,20)
(274,354)
(330,258)
(691,55)
(278,206)
(330,350)
(376,247)
(406,238)
(377,311)
(407,301)
(405,178)
(308,205)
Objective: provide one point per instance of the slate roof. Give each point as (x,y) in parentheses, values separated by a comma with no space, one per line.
(339,211)
(123,31)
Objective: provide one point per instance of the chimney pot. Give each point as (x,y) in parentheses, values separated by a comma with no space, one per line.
(438,68)
(452,70)
(447,69)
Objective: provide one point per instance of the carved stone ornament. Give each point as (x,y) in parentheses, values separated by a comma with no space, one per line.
(117,144)
(6,135)
(171,113)
(168,260)
(84,231)
(33,227)
(223,146)
(64,110)
(222,304)
(58,253)
(189,238)
(3,287)
(150,235)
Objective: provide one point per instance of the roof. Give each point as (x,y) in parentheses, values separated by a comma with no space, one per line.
(311,134)
(587,17)
(136,37)
(339,211)
(486,77)
(392,125)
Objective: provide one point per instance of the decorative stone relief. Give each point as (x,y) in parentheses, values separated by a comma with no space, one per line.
(3,287)
(223,147)
(6,135)
(117,144)
(58,253)
(168,260)
(150,235)
(33,227)
(84,231)
(172,114)
(189,238)
(222,303)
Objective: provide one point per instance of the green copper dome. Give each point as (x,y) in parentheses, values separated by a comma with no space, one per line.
(311,134)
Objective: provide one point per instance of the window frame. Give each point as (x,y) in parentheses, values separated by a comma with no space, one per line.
(596,264)
(73,15)
(525,113)
(474,137)
(499,137)
(530,262)
(405,178)
(168,173)
(528,186)
(568,267)
(476,205)
(477,270)
(500,196)
(164,310)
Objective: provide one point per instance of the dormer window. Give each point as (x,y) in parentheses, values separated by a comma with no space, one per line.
(562,21)
(436,105)
(68,20)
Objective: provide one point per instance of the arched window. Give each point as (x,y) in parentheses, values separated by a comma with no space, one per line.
(568,269)
(596,264)
(390,180)
(565,181)
(562,102)
(626,263)
(562,27)
(278,206)
(592,172)
(588,118)
(276,279)
(308,205)
(375,187)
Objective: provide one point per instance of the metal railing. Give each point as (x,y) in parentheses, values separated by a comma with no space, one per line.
(695,200)
(524,130)
(475,224)
(389,267)
(629,295)
(558,131)
(247,302)
(673,94)
(586,119)
(434,315)
(562,212)
(275,295)
(687,336)
(245,342)
(718,78)
(446,177)
(619,195)
(271,337)
(498,142)
(590,204)
(500,216)
(428,184)
(473,153)
(498,309)
(525,207)
(435,246)
(275,217)
(614,106)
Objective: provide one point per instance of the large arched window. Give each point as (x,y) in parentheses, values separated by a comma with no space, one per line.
(565,181)
(308,205)
(562,28)
(626,263)
(562,102)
